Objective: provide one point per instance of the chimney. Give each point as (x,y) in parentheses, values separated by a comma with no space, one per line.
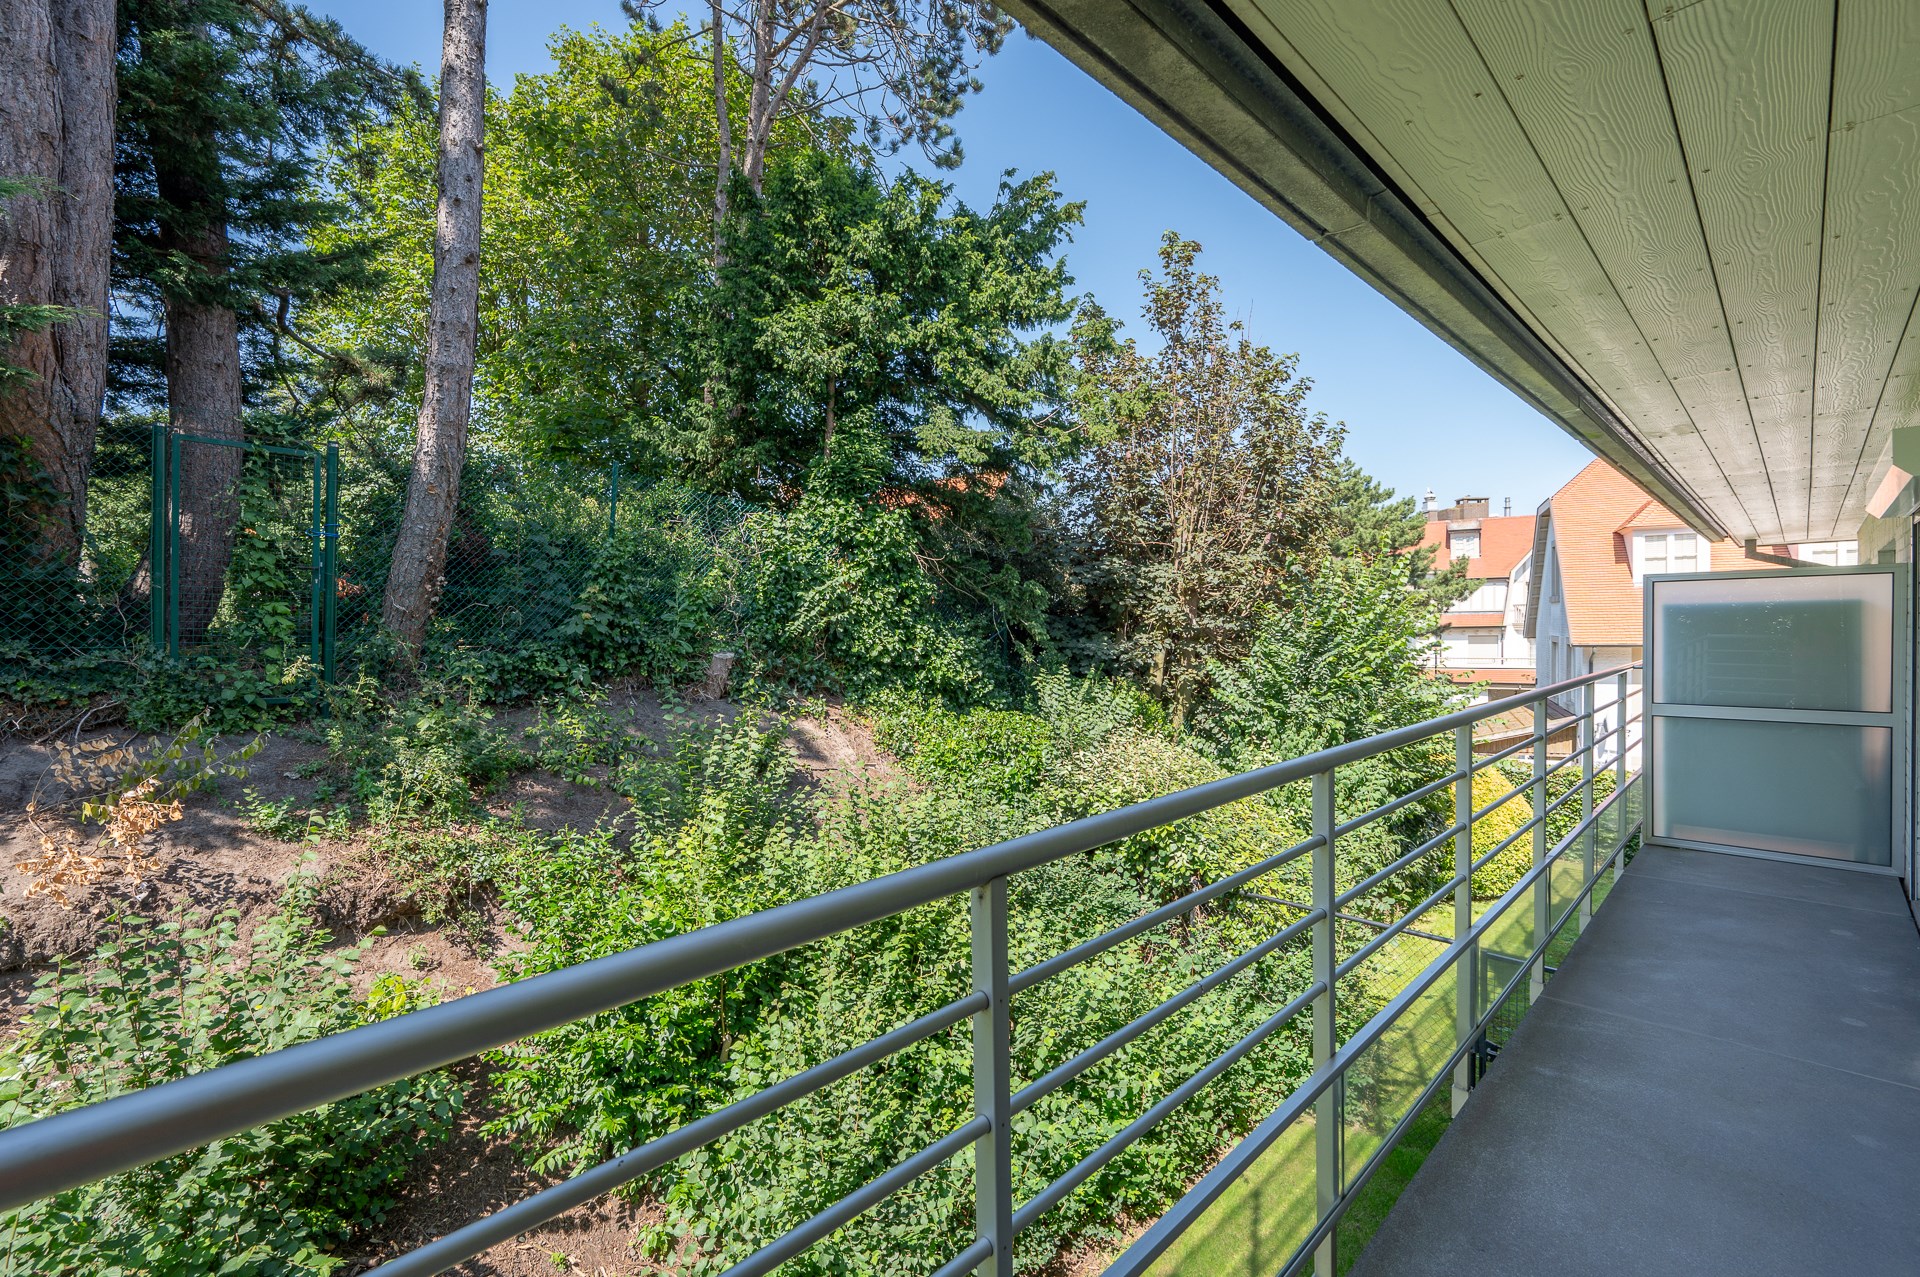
(1506,507)
(1427,506)
(1471,508)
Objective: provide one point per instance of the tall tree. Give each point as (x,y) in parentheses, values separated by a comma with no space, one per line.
(453,318)
(866,334)
(900,67)
(1369,522)
(595,221)
(1208,486)
(56,226)
(222,105)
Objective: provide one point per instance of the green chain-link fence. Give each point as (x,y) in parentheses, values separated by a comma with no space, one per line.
(261,567)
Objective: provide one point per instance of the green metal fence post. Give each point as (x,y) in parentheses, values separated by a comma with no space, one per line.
(317,540)
(1464,984)
(173,548)
(157,541)
(613,499)
(330,583)
(1327,1114)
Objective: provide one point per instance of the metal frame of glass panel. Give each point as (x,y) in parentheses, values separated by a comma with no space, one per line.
(1896,718)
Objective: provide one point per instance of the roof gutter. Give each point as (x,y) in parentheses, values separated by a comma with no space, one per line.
(1195,69)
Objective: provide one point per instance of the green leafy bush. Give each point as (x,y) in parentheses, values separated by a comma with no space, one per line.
(652,600)
(1498,875)
(1001,751)
(837,598)
(603,1085)
(573,735)
(159,1001)
(422,761)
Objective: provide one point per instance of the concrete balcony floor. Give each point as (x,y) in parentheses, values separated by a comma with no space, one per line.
(1723,1078)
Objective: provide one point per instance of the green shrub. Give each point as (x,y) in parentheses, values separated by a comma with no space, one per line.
(1498,875)
(159,1001)
(652,600)
(575,734)
(999,751)
(588,1090)
(837,598)
(422,761)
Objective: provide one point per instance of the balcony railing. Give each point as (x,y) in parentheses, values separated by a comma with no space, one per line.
(1491,947)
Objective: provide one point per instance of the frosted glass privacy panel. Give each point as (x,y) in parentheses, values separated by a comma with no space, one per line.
(1808,789)
(1814,641)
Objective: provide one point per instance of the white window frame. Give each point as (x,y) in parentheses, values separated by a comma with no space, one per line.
(1646,563)
(1464,543)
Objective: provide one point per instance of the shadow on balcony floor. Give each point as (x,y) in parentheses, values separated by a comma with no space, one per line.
(1724,1078)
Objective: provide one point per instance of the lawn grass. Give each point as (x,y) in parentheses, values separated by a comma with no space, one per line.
(1264,1216)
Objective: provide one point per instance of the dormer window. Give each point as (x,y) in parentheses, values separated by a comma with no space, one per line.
(1657,553)
(1463,543)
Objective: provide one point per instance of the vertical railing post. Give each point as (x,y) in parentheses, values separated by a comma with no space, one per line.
(1327,1114)
(1466,967)
(1590,840)
(993,1079)
(1619,772)
(1542,894)
(613,500)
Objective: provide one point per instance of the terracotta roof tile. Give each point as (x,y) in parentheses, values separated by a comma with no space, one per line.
(1471,620)
(1591,520)
(1504,541)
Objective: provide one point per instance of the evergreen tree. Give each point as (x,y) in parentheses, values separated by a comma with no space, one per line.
(1368,522)
(222,106)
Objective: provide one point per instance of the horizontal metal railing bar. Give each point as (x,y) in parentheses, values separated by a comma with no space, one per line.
(1513,793)
(305,454)
(1387,809)
(1481,862)
(1067,1070)
(1481,764)
(1057,1191)
(1559,851)
(464,1243)
(1066,958)
(1569,760)
(856,1203)
(967,1260)
(1361,919)
(1393,867)
(1148,1248)
(44,1157)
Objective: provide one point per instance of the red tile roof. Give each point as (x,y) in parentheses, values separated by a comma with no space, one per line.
(1471,620)
(1504,541)
(1590,521)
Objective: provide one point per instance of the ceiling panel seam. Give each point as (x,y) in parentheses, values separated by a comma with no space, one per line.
(1561,195)
(1713,271)
(1820,281)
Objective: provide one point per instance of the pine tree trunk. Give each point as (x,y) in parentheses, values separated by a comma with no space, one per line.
(204,399)
(56,128)
(440,437)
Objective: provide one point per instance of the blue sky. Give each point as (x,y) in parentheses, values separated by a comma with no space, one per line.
(1418,414)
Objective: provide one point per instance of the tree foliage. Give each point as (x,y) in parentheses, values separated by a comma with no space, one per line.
(1208,487)
(865,334)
